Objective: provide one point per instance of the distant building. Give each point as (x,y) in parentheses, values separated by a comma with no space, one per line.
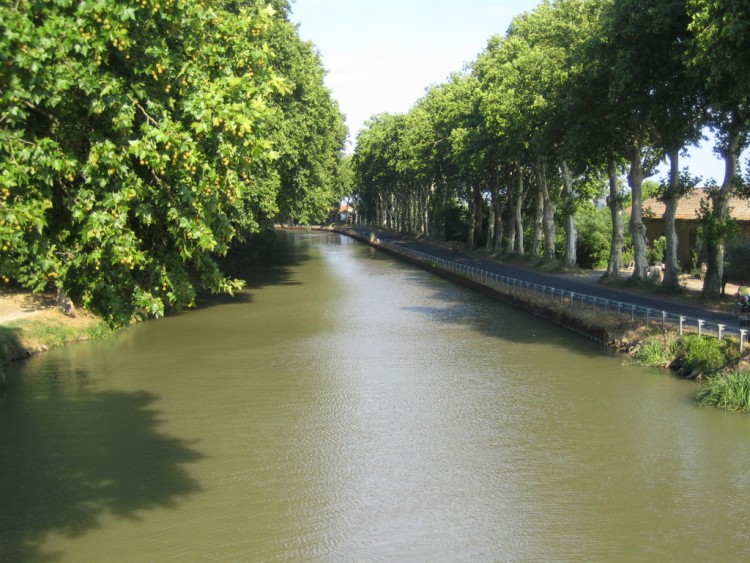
(344,214)
(686,221)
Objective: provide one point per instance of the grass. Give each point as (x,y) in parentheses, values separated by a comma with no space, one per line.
(46,330)
(701,357)
(729,391)
(655,352)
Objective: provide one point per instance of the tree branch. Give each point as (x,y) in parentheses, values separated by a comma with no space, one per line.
(143,110)
(39,110)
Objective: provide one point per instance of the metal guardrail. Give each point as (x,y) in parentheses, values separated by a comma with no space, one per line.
(574,299)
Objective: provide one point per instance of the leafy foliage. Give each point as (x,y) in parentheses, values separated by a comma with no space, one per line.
(594,226)
(137,142)
(575,89)
(703,354)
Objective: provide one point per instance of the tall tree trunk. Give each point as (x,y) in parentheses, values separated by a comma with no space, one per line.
(719,214)
(671,199)
(569,219)
(499,208)
(472,219)
(490,227)
(512,196)
(426,210)
(479,215)
(550,208)
(536,245)
(518,215)
(614,202)
(637,228)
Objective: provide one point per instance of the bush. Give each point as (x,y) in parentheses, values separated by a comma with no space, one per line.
(703,355)
(594,237)
(655,353)
(656,252)
(737,261)
(730,391)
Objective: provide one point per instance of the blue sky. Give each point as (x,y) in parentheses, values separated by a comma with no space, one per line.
(381,55)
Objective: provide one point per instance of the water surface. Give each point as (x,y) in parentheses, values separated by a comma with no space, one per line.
(348,407)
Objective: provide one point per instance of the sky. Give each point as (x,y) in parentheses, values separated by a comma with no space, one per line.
(382,55)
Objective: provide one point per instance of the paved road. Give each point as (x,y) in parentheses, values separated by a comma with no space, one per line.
(565,282)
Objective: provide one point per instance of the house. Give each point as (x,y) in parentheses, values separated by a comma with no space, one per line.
(343,215)
(686,221)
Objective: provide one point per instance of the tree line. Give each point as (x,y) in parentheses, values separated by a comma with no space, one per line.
(140,140)
(576,95)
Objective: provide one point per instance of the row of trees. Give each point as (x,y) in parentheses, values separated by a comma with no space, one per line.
(577,94)
(140,140)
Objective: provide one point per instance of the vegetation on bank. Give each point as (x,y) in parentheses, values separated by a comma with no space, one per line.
(571,109)
(44,331)
(139,142)
(720,364)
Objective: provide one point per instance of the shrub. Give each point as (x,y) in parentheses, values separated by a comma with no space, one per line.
(656,252)
(703,354)
(655,353)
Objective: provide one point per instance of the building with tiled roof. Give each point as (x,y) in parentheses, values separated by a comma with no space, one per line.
(686,220)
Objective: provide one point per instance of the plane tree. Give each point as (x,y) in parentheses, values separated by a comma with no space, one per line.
(136,145)
(718,58)
(308,133)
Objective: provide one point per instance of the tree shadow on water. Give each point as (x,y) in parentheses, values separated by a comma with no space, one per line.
(69,458)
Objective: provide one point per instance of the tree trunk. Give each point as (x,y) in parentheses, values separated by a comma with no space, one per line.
(518,215)
(719,214)
(478,215)
(536,245)
(426,201)
(569,220)
(490,227)
(671,199)
(512,197)
(637,228)
(614,202)
(472,220)
(548,210)
(497,203)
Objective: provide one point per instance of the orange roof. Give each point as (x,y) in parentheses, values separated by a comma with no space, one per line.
(689,206)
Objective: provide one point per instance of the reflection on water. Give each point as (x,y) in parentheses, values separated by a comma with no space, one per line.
(70,456)
(350,407)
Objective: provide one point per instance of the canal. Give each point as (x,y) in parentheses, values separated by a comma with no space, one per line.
(349,407)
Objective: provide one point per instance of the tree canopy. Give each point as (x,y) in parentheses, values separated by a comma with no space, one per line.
(574,90)
(139,140)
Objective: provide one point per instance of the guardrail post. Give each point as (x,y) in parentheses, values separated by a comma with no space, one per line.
(632,312)
(663,319)
(700,326)
(743,333)
(682,321)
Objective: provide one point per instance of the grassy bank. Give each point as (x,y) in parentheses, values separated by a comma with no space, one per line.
(720,365)
(45,330)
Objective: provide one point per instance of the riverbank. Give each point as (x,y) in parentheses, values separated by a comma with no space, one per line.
(721,362)
(31,323)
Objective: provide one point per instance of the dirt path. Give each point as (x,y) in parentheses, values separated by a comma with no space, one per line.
(21,304)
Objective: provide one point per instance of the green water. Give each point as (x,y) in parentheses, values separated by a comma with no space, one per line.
(348,407)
